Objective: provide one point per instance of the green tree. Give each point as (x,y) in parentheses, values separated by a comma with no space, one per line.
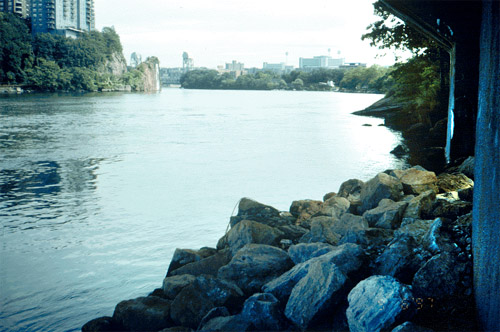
(48,76)
(15,48)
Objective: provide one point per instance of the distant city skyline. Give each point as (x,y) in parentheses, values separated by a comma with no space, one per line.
(252,32)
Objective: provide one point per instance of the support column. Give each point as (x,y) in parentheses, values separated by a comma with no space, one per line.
(486,210)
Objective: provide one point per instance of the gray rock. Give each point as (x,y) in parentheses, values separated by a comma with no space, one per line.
(292,232)
(420,205)
(208,266)
(143,314)
(348,222)
(315,293)
(388,214)
(248,231)
(415,181)
(252,210)
(263,312)
(173,285)
(329,195)
(205,293)
(302,252)
(182,257)
(229,323)
(254,265)
(350,188)
(370,237)
(410,327)
(378,303)
(348,258)
(321,231)
(401,259)
(380,187)
(334,207)
(416,228)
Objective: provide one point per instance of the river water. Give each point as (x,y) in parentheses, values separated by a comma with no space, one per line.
(97,190)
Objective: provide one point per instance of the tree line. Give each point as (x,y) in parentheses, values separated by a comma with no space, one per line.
(375,79)
(53,62)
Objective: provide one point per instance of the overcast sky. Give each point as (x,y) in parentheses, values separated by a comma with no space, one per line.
(214,32)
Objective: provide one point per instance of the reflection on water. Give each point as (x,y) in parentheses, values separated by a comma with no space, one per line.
(97,191)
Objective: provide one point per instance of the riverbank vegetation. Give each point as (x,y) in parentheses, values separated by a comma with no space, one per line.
(50,62)
(374,79)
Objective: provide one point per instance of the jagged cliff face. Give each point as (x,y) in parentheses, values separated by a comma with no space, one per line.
(117,66)
(151,74)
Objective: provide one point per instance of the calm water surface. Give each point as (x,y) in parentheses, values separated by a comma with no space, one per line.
(97,191)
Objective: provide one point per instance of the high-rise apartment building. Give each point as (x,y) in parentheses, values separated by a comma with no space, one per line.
(64,17)
(19,7)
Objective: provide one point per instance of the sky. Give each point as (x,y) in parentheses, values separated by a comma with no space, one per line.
(215,32)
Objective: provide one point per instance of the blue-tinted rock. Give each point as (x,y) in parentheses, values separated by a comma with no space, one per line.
(302,252)
(378,303)
(254,265)
(143,314)
(264,312)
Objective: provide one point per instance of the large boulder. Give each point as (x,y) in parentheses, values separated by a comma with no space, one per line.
(388,214)
(249,209)
(321,231)
(198,298)
(315,293)
(351,189)
(453,182)
(349,258)
(380,187)
(401,259)
(263,311)
(174,284)
(305,209)
(248,231)
(348,222)
(254,265)
(334,207)
(378,304)
(182,257)
(416,181)
(143,314)
(209,265)
(302,252)
(421,205)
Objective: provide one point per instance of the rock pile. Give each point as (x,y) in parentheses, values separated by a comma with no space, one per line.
(393,253)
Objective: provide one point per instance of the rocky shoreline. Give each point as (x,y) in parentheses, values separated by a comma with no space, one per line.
(389,254)
(424,138)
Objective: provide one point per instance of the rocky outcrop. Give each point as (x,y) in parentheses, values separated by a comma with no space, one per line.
(392,262)
(150,75)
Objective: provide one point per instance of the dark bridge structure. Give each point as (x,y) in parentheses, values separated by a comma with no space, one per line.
(469,30)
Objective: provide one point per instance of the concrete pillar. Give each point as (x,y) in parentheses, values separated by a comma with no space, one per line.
(486,211)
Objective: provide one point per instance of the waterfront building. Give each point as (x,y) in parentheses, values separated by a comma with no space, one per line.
(171,76)
(19,7)
(235,66)
(279,68)
(317,62)
(187,62)
(64,17)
